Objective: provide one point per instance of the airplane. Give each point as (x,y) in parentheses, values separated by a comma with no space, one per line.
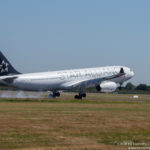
(104,79)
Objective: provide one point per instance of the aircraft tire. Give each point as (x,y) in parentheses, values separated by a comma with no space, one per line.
(78,97)
(84,95)
(57,94)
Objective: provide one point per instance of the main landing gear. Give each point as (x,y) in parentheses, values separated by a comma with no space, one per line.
(80,96)
(54,95)
(120,87)
(57,94)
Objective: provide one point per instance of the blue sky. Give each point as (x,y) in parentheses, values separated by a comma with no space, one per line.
(39,35)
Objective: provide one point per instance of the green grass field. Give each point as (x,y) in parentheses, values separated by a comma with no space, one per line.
(101,121)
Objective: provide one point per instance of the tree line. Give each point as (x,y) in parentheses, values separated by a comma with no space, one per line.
(130,88)
(143,87)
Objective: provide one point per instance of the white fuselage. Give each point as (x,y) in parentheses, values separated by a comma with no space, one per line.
(61,80)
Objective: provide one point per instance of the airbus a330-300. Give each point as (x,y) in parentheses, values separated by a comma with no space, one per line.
(104,79)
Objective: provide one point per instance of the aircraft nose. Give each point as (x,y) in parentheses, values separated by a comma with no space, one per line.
(131,74)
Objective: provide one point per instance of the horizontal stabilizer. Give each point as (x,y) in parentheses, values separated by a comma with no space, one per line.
(8,80)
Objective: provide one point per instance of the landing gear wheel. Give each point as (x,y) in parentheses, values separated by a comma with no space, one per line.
(54,95)
(84,95)
(120,88)
(78,97)
(57,94)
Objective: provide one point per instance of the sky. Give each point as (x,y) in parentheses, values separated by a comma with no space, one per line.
(46,35)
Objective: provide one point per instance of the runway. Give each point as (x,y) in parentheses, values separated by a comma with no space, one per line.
(70,96)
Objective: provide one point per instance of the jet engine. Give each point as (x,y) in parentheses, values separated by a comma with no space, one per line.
(106,86)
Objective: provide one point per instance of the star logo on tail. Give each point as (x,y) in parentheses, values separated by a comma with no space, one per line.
(4,67)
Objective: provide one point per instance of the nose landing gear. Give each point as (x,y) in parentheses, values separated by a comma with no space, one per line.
(120,87)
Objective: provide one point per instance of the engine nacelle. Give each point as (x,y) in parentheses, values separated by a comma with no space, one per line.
(107,86)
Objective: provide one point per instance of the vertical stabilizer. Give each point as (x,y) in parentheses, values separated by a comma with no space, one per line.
(5,67)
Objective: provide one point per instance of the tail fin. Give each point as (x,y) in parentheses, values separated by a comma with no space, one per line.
(5,67)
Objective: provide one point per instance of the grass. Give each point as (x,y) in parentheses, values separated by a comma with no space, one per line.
(99,122)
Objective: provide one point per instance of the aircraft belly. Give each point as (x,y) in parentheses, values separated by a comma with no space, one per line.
(37,85)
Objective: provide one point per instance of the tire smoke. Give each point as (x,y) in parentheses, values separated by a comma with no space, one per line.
(20,94)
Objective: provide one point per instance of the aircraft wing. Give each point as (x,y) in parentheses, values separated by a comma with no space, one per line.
(7,79)
(81,83)
(89,82)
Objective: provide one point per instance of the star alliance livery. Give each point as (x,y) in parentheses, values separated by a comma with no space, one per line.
(104,79)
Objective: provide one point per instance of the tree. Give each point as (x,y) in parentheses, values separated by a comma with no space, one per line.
(143,87)
(129,86)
